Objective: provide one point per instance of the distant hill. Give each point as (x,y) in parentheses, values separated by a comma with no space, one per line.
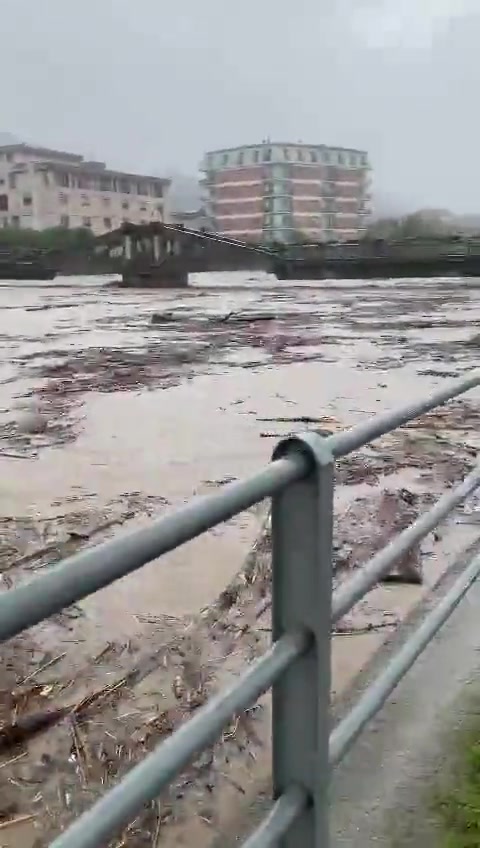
(8,138)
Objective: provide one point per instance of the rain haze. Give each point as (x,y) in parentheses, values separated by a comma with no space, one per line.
(150,86)
(152,357)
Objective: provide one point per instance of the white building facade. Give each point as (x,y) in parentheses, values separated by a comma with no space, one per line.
(42,188)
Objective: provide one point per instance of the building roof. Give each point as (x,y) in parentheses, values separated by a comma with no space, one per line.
(39,151)
(83,166)
(93,169)
(285,144)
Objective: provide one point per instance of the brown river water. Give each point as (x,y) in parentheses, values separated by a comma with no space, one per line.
(118,405)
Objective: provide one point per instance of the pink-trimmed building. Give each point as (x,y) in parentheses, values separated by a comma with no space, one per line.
(283,192)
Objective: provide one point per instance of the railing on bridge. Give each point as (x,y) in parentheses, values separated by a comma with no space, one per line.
(300,482)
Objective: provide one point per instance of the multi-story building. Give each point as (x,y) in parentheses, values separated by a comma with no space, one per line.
(285,192)
(41,188)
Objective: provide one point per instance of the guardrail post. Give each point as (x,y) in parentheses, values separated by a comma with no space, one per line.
(302,517)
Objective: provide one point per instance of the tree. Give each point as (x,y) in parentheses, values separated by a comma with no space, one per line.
(59,239)
(415,225)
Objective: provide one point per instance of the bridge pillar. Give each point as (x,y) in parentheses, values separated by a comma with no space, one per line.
(127,247)
(157,248)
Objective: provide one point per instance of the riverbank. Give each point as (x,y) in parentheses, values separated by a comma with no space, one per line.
(455,801)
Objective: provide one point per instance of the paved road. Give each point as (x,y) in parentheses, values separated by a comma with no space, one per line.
(379,795)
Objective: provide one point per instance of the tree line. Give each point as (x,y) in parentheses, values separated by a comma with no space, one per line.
(58,239)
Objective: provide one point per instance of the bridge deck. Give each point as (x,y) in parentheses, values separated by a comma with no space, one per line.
(164,254)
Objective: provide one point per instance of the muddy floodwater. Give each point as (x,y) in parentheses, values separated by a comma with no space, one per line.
(116,406)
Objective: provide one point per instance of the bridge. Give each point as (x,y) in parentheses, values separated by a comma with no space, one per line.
(300,482)
(159,254)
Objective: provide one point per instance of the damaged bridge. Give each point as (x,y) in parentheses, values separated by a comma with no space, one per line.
(163,255)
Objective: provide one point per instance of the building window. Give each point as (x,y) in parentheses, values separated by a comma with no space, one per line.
(107,223)
(85,200)
(280,172)
(12,180)
(3,202)
(241,157)
(27,200)
(255,156)
(64,222)
(286,153)
(86,222)
(63,198)
(143,208)
(62,180)
(9,157)
(16,222)
(300,156)
(158,190)
(225,159)
(326,157)
(341,159)
(267,154)
(353,161)
(313,156)
(2,182)
(125,204)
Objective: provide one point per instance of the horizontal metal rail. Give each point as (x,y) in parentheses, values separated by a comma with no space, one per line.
(82,574)
(300,482)
(280,818)
(144,782)
(380,564)
(344,443)
(377,693)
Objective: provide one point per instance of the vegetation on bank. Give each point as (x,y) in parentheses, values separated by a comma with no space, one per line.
(56,238)
(457,803)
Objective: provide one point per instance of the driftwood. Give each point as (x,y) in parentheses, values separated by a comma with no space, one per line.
(300,419)
(240,318)
(24,728)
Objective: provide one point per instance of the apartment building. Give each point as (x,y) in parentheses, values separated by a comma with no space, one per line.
(41,188)
(284,192)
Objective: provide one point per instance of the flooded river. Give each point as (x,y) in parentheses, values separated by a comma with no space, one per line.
(137,416)
(117,405)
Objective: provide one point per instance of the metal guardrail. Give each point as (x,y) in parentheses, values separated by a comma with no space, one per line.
(300,482)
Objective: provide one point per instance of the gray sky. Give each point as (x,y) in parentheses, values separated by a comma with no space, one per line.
(151,84)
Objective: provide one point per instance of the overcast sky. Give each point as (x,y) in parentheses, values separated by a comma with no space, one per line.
(151,84)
